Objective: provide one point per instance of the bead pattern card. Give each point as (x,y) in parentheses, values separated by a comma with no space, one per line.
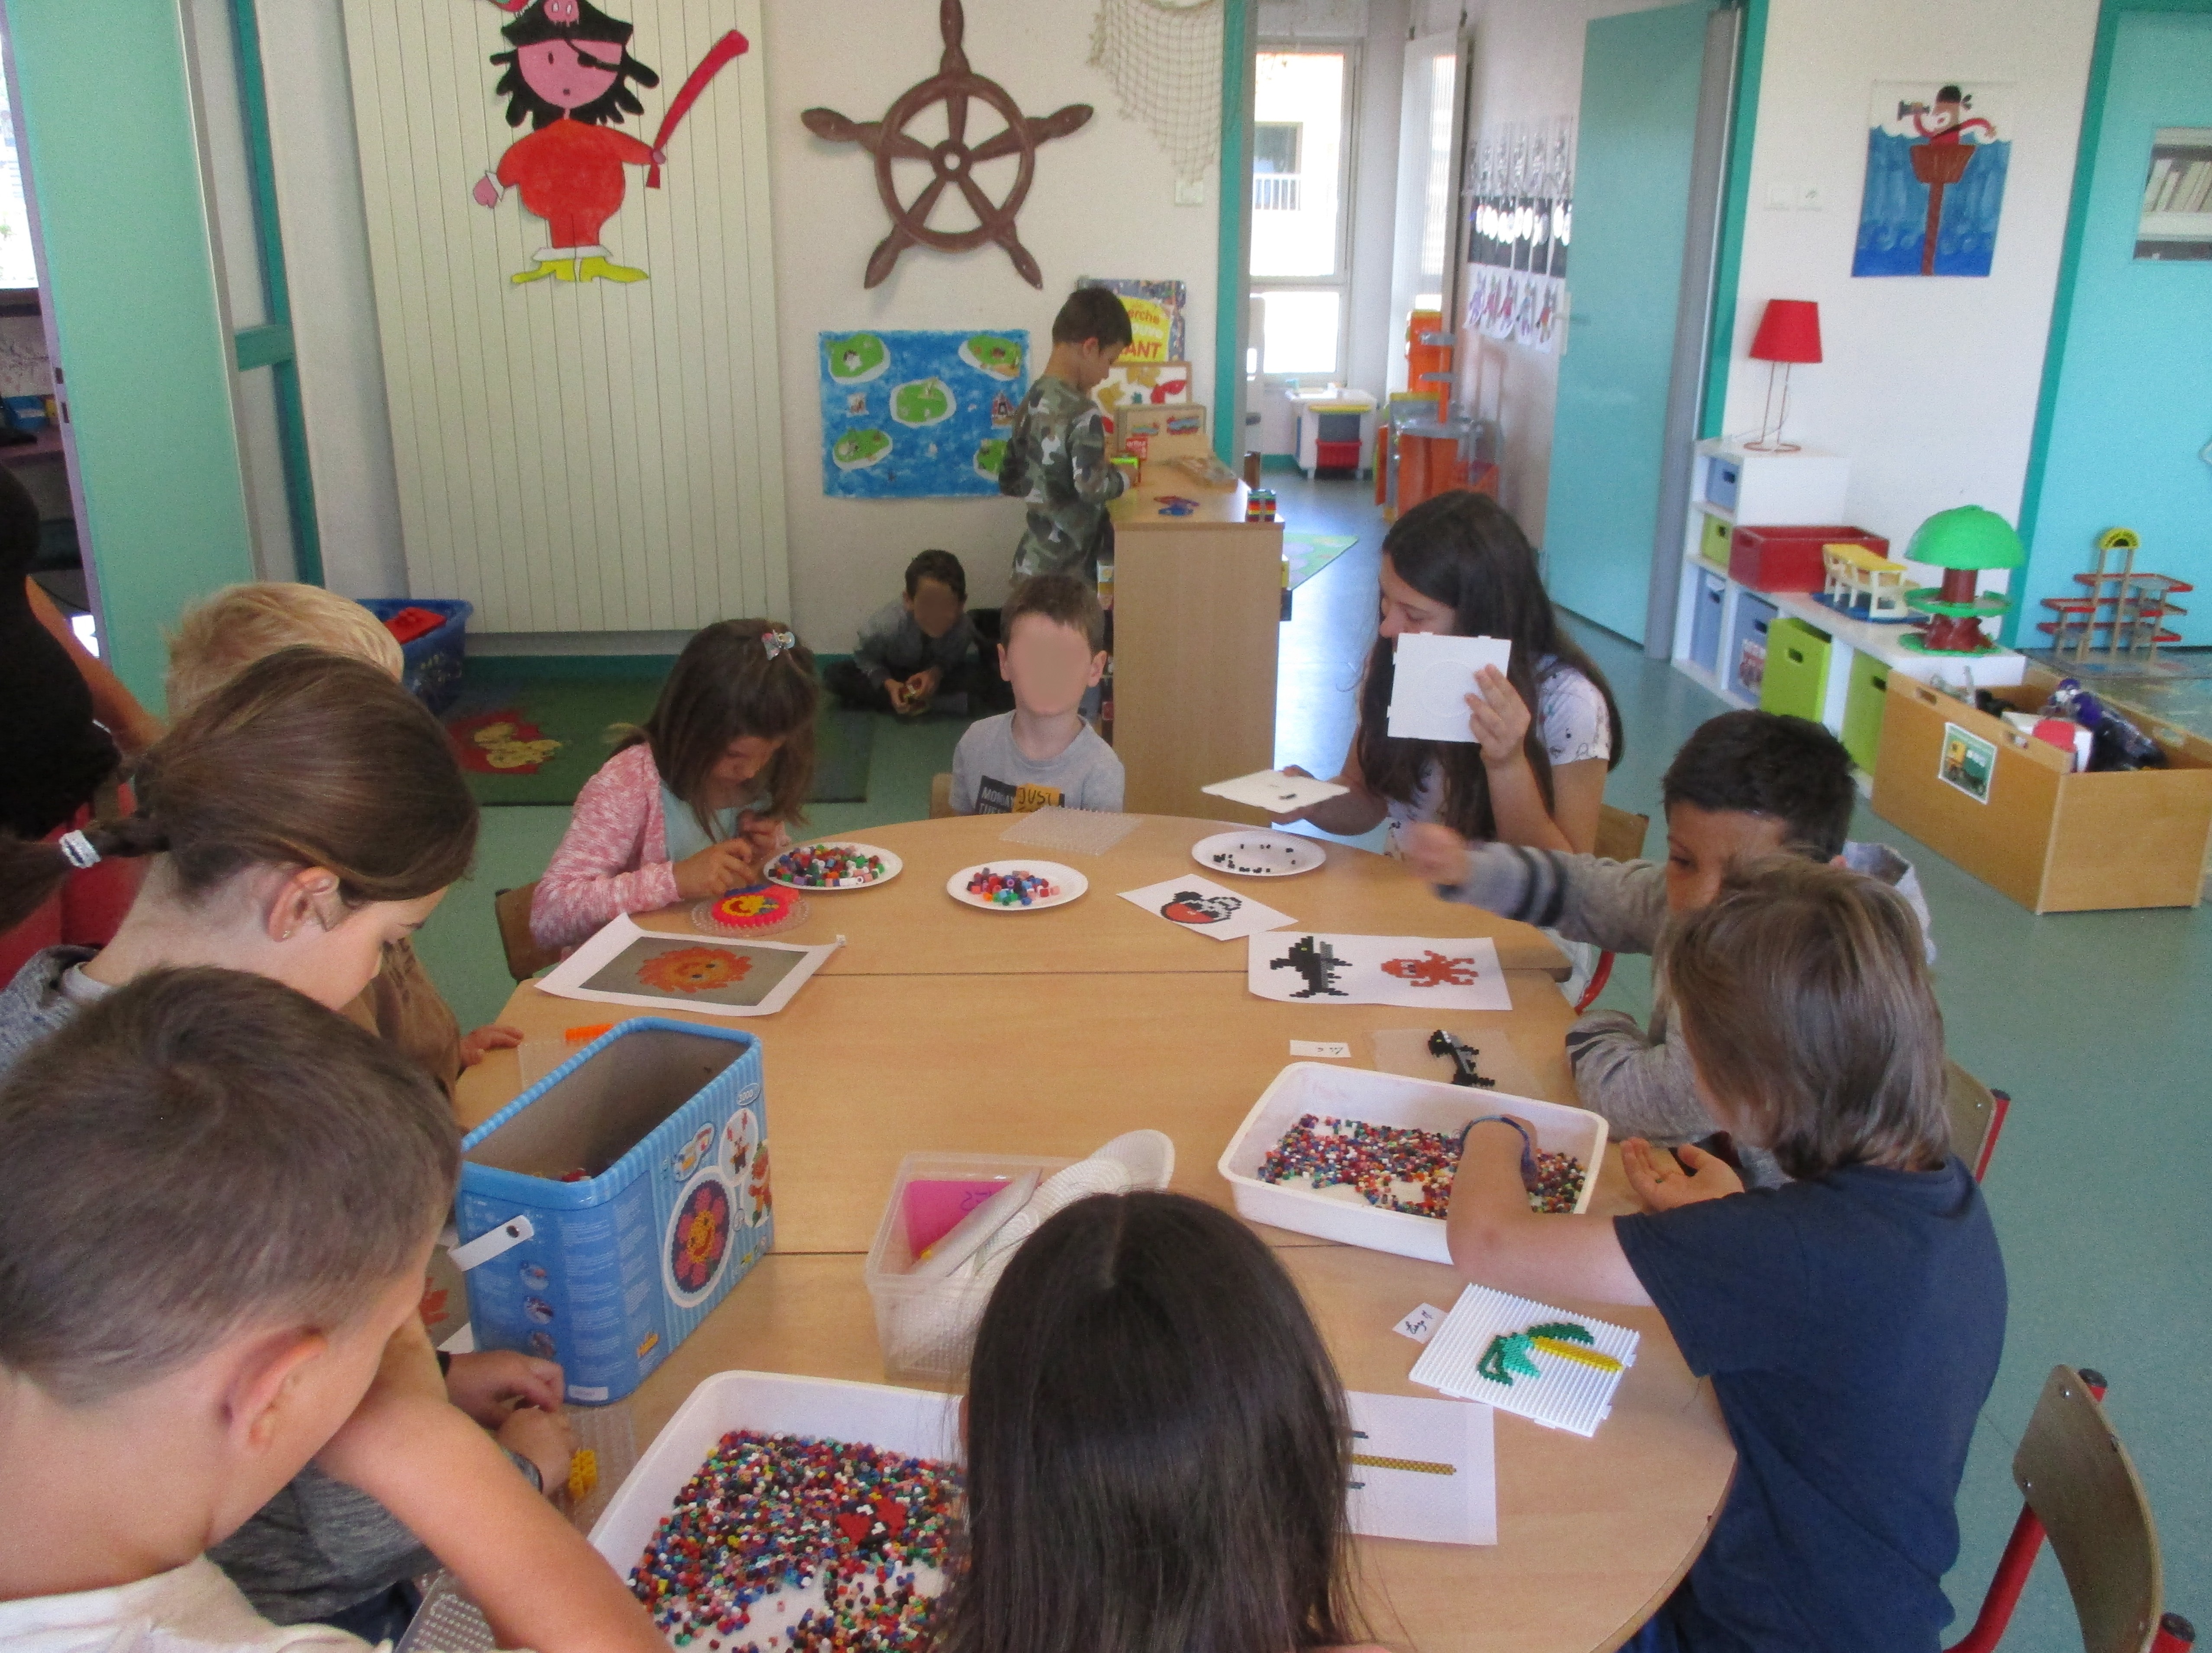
(624,964)
(1422,1469)
(1084,832)
(1443,973)
(1431,678)
(1205,909)
(1551,1367)
(1276,791)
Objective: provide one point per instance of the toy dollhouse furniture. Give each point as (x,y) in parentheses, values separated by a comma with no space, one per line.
(1864,585)
(1962,541)
(2130,608)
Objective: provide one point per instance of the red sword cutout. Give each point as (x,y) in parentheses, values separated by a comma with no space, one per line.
(730,45)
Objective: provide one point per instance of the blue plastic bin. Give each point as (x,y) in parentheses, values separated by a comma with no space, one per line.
(608,1274)
(433,659)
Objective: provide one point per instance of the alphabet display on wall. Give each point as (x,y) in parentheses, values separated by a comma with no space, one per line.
(918,414)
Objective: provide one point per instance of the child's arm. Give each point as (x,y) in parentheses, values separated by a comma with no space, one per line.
(538,1583)
(966,775)
(1097,478)
(1620,905)
(1499,720)
(1497,1240)
(133,727)
(872,650)
(601,868)
(1643,1087)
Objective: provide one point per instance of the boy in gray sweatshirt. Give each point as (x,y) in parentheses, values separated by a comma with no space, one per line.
(920,652)
(1746,784)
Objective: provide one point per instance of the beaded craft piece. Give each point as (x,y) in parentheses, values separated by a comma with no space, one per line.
(784,1541)
(1397,1168)
(757,909)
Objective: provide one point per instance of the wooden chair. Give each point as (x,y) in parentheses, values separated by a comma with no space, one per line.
(1620,838)
(2082,1492)
(940,797)
(1978,1115)
(524,957)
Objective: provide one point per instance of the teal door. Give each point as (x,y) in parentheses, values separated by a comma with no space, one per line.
(2129,394)
(1637,126)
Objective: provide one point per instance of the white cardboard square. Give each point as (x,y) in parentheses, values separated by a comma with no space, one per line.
(1276,791)
(1432,677)
(1421,1324)
(567,979)
(1419,972)
(1422,1469)
(1204,908)
(1569,1391)
(1328,1050)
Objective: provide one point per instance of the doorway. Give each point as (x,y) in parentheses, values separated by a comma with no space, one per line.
(1304,130)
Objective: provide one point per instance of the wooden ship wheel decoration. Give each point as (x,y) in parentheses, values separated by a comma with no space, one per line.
(953,161)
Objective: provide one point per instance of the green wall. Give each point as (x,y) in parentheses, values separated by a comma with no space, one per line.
(113,160)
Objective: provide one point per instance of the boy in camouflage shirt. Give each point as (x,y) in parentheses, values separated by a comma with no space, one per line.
(1056,453)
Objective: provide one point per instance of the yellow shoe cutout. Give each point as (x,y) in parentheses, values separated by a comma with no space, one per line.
(597,269)
(563,269)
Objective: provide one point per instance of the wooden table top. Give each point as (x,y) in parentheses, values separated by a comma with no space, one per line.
(1138,509)
(911,927)
(991,1039)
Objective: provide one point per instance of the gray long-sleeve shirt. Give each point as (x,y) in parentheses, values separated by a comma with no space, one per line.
(893,644)
(1640,1079)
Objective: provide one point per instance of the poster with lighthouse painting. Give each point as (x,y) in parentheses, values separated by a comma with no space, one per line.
(1938,152)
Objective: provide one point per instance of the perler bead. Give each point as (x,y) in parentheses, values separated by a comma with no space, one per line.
(1013,888)
(829,866)
(1399,1169)
(583,1472)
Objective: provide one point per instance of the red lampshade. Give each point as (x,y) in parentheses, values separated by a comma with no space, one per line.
(1788,331)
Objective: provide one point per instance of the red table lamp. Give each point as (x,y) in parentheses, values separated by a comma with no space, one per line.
(1790,332)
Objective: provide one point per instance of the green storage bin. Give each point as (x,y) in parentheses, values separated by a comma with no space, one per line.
(1713,542)
(1796,669)
(1863,709)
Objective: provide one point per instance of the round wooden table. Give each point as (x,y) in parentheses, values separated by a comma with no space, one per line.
(940,1027)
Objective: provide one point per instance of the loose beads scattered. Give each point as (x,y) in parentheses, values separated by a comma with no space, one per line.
(1011,889)
(1400,1169)
(829,866)
(863,1534)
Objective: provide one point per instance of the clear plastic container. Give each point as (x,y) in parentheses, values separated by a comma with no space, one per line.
(926,1327)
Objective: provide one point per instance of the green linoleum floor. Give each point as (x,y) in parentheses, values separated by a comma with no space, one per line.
(2098,1024)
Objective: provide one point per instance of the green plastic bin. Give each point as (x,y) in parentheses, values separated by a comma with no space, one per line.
(1870,693)
(1796,669)
(1713,541)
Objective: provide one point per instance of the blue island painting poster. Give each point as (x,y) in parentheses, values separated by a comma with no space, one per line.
(914,415)
(1936,157)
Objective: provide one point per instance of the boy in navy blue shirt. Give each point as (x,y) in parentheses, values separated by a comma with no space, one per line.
(1851,1321)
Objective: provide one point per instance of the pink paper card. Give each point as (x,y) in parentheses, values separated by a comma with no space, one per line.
(934,1208)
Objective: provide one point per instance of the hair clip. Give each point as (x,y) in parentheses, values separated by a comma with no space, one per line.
(79,849)
(777,641)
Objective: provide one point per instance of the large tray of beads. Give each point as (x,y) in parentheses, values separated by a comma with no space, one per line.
(914,1422)
(1389,1100)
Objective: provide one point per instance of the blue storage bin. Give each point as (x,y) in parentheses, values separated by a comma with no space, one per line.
(433,659)
(1705,621)
(608,1274)
(1722,476)
(1744,670)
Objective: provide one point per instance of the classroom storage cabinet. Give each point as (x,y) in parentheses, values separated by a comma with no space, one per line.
(1713,541)
(1705,620)
(1863,704)
(2012,815)
(1744,670)
(1796,669)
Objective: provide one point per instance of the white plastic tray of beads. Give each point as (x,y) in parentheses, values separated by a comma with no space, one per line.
(1390,1099)
(916,1422)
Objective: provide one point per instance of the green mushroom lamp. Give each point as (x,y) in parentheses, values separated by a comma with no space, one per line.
(1962,542)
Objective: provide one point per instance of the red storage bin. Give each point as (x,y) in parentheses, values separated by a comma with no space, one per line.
(1336,456)
(1788,558)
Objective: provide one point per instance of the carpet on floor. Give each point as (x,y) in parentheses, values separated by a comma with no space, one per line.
(1310,553)
(538,740)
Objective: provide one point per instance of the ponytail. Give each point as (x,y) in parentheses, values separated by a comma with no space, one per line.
(304,759)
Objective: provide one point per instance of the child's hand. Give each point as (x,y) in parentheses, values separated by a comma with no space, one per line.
(898,690)
(1663,1181)
(730,864)
(494,1037)
(1498,718)
(923,683)
(1436,852)
(1296,814)
(546,1438)
(767,836)
(491,1384)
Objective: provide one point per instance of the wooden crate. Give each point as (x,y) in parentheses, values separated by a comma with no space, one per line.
(2054,842)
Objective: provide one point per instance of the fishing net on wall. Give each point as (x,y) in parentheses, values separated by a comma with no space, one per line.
(1164,59)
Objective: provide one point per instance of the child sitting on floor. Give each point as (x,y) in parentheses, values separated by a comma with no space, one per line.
(1158,1446)
(219,637)
(155,1392)
(1850,1320)
(1042,751)
(1746,784)
(919,652)
(1056,452)
(694,803)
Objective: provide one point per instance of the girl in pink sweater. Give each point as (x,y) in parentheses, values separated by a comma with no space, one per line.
(695,803)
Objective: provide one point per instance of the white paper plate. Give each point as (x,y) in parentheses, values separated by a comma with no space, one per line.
(1259,854)
(892,865)
(1070,882)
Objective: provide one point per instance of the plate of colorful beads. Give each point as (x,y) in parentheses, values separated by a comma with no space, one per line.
(834,867)
(1017,886)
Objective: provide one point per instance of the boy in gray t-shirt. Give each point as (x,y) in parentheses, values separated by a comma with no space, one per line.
(1041,752)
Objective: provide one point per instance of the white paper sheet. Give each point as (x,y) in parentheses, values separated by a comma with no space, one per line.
(1488,1344)
(624,964)
(1421,972)
(1274,791)
(1204,908)
(1432,676)
(1422,1469)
